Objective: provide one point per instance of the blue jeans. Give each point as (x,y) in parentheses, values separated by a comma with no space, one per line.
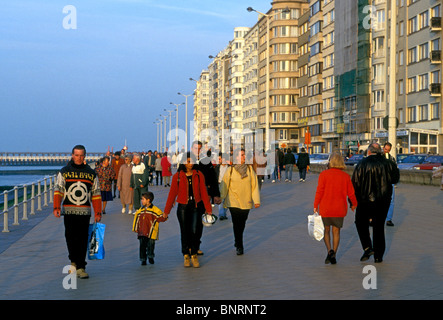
(391,206)
(275,173)
(288,171)
(221,210)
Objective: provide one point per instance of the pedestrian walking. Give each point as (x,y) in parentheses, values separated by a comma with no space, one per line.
(373,178)
(239,190)
(205,166)
(188,189)
(386,149)
(166,169)
(158,169)
(149,161)
(145,224)
(124,185)
(220,169)
(302,164)
(139,180)
(288,165)
(77,188)
(116,162)
(261,161)
(106,175)
(334,189)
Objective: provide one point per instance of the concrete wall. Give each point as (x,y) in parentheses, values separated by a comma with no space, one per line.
(406,176)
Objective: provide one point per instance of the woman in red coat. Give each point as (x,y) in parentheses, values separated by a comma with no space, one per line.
(331,201)
(166,169)
(189,190)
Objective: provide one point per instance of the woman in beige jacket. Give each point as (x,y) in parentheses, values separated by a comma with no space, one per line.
(240,192)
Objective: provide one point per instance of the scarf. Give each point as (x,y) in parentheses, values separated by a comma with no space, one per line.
(242,169)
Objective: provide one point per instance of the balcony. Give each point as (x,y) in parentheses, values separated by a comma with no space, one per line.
(435,89)
(435,24)
(435,56)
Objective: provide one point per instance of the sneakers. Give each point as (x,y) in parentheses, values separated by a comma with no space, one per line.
(389,223)
(187,262)
(195,262)
(123,210)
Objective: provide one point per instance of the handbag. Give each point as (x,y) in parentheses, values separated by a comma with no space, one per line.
(316,229)
(96,249)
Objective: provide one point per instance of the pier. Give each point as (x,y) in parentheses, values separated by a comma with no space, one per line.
(42,158)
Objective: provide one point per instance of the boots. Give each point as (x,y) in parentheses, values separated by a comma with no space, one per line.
(187,262)
(195,262)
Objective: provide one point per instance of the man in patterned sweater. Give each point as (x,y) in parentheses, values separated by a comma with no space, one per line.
(76,189)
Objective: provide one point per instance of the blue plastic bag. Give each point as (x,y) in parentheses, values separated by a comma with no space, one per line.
(96,249)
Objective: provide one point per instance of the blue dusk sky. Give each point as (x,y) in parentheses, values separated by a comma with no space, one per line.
(110,78)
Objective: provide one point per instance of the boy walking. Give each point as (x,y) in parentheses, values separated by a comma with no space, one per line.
(146,226)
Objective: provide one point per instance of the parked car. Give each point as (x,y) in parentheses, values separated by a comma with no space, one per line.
(319,158)
(430,163)
(409,162)
(356,158)
(402,156)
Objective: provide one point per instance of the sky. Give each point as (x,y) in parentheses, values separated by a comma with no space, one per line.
(100,72)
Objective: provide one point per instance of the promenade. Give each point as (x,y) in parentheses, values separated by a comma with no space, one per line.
(281,261)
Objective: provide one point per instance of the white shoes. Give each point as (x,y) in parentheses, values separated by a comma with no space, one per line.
(123,210)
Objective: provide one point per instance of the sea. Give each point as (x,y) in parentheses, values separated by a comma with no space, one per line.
(11,176)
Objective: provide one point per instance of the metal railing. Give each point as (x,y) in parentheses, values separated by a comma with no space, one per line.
(25,197)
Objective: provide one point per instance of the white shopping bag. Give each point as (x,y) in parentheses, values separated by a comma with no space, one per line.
(316,228)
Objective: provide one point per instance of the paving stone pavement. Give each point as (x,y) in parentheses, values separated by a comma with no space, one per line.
(281,261)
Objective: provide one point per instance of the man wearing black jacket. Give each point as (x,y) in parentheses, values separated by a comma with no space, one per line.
(204,164)
(373,178)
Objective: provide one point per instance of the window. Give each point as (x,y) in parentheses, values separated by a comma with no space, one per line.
(412,117)
(378,46)
(424,19)
(435,110)
(412,55)
(315,48)
(412,25)
(379,99)
(424,51)
(315,28)
(315,8)
(423,82)
(412,84)
(423,109)
(378,73)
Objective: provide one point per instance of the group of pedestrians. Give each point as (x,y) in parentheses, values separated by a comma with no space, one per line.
(232,184)
(285,160)
(369,192)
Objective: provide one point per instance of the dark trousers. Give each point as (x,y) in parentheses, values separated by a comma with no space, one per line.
(376,212)
(137,197)
(239,217)
(158,174)
(76,234)
(302,173)
(147,247)
(189,219)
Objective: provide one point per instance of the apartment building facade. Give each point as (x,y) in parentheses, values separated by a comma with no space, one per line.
(328,76)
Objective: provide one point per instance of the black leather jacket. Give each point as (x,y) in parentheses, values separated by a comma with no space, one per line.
(373,178)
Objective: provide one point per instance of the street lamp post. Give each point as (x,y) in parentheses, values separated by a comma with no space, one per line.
(186,117)
(157,132)
(176,125)
(392,125)
(160,135)
(268,17)
(170,126)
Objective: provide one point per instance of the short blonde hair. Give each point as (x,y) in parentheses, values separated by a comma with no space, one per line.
(336,161)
